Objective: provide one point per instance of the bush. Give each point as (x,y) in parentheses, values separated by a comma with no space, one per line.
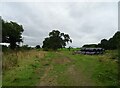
(37,46)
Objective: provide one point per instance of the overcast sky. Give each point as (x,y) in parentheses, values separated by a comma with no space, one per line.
(85,22)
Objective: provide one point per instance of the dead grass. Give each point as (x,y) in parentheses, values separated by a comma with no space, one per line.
(12,59)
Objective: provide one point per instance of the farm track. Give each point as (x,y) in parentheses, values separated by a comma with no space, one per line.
(75,75)
(45,80)
(78,78)
(41,68)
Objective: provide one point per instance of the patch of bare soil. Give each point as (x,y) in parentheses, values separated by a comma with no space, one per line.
(45,80)
(78,78)
(63,60)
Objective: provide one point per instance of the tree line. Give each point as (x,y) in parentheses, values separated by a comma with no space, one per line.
(12,33)
(110,44)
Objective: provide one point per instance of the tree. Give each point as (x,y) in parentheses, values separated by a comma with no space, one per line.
(112,43)
(25,47)
(104,43)
(90,46)
(11,33)
(116,39)
(37,46)
(56,40)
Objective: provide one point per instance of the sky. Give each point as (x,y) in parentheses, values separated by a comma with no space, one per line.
(85,22)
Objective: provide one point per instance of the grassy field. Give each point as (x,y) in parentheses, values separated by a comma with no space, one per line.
(61,68)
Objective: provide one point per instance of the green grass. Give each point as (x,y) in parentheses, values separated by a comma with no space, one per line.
(60,69)
(24,73)
(103,73)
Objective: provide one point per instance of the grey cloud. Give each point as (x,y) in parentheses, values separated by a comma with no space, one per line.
(85,22)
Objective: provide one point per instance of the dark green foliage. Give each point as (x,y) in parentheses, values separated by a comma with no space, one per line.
(90,46)
(119,64)
(4,47)
(11,33)
(104,43)
(37,46)
(56,40)
(25,47)
(110,44)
